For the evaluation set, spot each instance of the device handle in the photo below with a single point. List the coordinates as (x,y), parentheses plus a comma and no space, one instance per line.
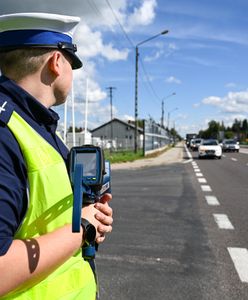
(77,198)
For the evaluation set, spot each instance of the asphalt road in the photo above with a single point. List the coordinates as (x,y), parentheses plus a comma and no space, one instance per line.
(175,239)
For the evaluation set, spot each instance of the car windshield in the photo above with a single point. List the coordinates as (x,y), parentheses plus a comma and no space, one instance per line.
(230,142)
(197,141)
(210,143)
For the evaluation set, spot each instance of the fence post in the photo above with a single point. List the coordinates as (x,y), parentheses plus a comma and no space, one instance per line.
(144,137)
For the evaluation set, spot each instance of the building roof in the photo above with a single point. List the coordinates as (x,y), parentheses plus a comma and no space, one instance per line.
(119,121)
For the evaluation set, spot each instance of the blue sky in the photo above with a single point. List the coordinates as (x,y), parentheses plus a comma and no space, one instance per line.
(203,58)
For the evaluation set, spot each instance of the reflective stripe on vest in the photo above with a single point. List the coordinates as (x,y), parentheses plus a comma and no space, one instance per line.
(50,207)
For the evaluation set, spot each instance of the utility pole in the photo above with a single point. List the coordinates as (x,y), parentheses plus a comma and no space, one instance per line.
(111,88)
(162,117)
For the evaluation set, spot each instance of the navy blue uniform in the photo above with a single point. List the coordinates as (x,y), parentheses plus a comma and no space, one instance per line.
(13,173)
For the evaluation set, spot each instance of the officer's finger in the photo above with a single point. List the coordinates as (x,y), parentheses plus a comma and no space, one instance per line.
(104,208)
(104,229)
(106,198)
(100,239)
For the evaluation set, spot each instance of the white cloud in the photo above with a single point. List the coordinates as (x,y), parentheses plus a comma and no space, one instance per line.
(90,44)
(143,15)
(155,56)
(127,118)
(230,85)
(173,79)
(173,46)
(231,103)
(196,105)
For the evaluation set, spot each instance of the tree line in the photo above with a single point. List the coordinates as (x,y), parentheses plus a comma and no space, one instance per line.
(217,130)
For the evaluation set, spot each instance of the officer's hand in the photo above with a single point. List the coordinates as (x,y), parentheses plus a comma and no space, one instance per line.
(100,215)
(104,216)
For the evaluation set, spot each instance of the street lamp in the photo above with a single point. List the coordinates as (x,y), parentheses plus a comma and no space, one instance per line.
(168,119)
(136,84)
(162,117)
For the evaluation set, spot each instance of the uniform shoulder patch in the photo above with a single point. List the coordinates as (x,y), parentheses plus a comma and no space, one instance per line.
(6,110)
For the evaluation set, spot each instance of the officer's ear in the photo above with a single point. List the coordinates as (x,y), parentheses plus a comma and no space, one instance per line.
(54,63)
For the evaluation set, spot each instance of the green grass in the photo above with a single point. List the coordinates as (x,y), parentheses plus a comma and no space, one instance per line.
(125,156)
(122,156)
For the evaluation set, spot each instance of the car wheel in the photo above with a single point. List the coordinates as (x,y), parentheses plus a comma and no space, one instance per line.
(219,157)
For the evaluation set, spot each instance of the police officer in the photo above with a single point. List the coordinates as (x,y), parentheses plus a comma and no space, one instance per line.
(40,257)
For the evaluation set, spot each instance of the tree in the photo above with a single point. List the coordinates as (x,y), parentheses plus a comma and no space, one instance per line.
(77,129)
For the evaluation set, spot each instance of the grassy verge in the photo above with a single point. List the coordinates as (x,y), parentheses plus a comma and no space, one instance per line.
(122,156)
(125,156)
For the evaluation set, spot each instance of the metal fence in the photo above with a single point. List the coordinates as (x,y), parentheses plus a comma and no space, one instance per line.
(153,137)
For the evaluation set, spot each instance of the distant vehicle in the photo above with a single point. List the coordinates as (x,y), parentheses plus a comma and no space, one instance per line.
(191,143)
(230,145)
(189,137)
(195,144)
(210,148)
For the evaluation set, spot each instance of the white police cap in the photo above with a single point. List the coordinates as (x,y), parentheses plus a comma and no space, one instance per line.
(40,30)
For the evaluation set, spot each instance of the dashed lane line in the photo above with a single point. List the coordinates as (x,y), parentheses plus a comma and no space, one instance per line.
(206,188)
(239,257)
(212,200)
(223,221)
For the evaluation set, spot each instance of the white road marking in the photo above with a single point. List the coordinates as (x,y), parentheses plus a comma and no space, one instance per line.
(197,170)
(222,221)
(239,257)
(212,200)
(199,174)
(188,153)
(223,155)
(202,180)
(187,161)
(206,188)
(234,159)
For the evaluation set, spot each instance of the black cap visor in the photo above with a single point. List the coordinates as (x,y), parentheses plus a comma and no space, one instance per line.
(76,62)
(68,48)
(71,49)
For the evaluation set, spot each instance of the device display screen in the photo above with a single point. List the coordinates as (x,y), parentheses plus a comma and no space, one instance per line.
(88,160)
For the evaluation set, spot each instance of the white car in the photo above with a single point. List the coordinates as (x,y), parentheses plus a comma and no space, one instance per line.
(230,145)
(210,148)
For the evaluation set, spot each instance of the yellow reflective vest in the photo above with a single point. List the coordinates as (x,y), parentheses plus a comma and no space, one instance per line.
(50,207)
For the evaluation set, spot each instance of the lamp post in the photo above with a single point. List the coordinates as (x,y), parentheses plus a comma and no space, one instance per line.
(136,85)
(162,116)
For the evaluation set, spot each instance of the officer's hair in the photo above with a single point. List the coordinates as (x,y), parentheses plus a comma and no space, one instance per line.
(18,63)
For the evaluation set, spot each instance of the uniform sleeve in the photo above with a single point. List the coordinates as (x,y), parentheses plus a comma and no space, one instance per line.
(13,188)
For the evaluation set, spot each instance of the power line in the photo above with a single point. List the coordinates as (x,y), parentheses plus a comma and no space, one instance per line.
(117,20)
(131,43)
(149,81)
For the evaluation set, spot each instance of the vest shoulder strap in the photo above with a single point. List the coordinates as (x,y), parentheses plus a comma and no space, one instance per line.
(6,110)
